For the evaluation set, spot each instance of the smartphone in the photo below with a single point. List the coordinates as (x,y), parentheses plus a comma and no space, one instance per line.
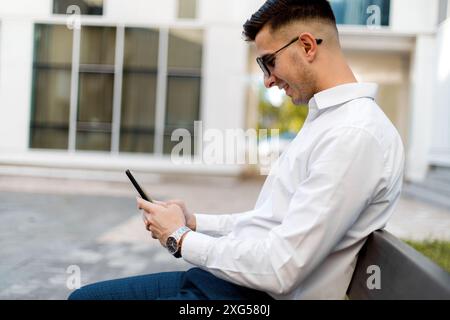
(138,187)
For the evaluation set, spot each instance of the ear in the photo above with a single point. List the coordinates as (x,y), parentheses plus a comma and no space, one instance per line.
(308,41)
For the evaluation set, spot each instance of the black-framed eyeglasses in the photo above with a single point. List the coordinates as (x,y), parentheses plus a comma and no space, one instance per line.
(267,61)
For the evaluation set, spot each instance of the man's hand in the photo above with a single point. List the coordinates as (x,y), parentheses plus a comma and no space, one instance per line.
(162,220)
(191,222)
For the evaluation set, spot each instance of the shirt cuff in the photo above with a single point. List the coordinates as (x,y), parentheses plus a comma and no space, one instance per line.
(195,248)
(209,224)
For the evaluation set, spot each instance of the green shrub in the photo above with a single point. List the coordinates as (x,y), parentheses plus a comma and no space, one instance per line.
(436,250)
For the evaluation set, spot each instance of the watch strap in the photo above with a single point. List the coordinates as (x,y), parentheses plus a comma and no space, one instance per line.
(178,234)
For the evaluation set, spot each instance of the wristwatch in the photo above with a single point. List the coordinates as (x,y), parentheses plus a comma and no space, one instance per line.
(173,241)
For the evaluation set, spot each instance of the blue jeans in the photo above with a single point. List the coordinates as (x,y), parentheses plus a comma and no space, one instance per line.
(194,284)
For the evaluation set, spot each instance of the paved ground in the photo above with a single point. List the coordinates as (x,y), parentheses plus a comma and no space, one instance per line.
(47,225)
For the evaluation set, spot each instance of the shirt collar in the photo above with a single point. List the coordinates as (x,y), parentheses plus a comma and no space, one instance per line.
(342,94)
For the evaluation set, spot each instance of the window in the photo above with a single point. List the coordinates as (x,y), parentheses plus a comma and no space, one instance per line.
(87,7)
(187,9)
(140,96)
(96,85)
(137,131)
(183,83)
(49,125)
(355,12)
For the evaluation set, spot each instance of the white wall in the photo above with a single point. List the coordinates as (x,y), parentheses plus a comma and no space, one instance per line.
(16,51)
(440,152)
(25,8)
(225,63)
(140,11)
(448,8)
(414,16)
(422,107)
(228,11)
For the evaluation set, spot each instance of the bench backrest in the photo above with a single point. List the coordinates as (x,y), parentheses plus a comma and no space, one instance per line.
(404,273)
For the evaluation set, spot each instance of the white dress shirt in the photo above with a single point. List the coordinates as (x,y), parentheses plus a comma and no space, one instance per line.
(338,181)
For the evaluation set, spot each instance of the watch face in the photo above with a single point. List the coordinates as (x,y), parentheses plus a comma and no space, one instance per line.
(172,245)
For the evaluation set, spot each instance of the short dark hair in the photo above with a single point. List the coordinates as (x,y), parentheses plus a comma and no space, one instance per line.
(279,13)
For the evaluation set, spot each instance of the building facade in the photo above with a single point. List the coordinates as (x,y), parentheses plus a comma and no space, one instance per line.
(88,91)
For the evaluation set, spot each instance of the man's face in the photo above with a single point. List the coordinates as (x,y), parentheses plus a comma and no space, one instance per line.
(290,71)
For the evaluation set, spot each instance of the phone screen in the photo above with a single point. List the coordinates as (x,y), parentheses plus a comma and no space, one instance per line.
(138,187)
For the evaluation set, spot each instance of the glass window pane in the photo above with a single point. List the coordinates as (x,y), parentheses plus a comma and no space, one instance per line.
(53,44)
(95,97)
(183,101)
(139,99)
(141,141)
(94,111)
(97,45)
(138,112)
(184,82)
(354,12)
(96,85)
(52,96)
(141,48)
(89,7)
(185,49)
(50,138)
(139,90)
(49,123)
(98,141)
(187,9)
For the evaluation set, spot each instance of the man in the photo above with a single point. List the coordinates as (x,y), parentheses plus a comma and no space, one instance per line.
(338,181)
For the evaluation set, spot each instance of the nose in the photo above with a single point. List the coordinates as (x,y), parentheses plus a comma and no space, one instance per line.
(269,81)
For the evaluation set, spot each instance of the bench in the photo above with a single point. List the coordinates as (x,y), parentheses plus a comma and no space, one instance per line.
(404,273)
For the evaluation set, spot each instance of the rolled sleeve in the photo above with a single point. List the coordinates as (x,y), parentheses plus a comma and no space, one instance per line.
(195,247)
(216,225)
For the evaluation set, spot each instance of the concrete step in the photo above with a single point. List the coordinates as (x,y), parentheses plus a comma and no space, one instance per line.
(439,173)
(425,193)
(438,186)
